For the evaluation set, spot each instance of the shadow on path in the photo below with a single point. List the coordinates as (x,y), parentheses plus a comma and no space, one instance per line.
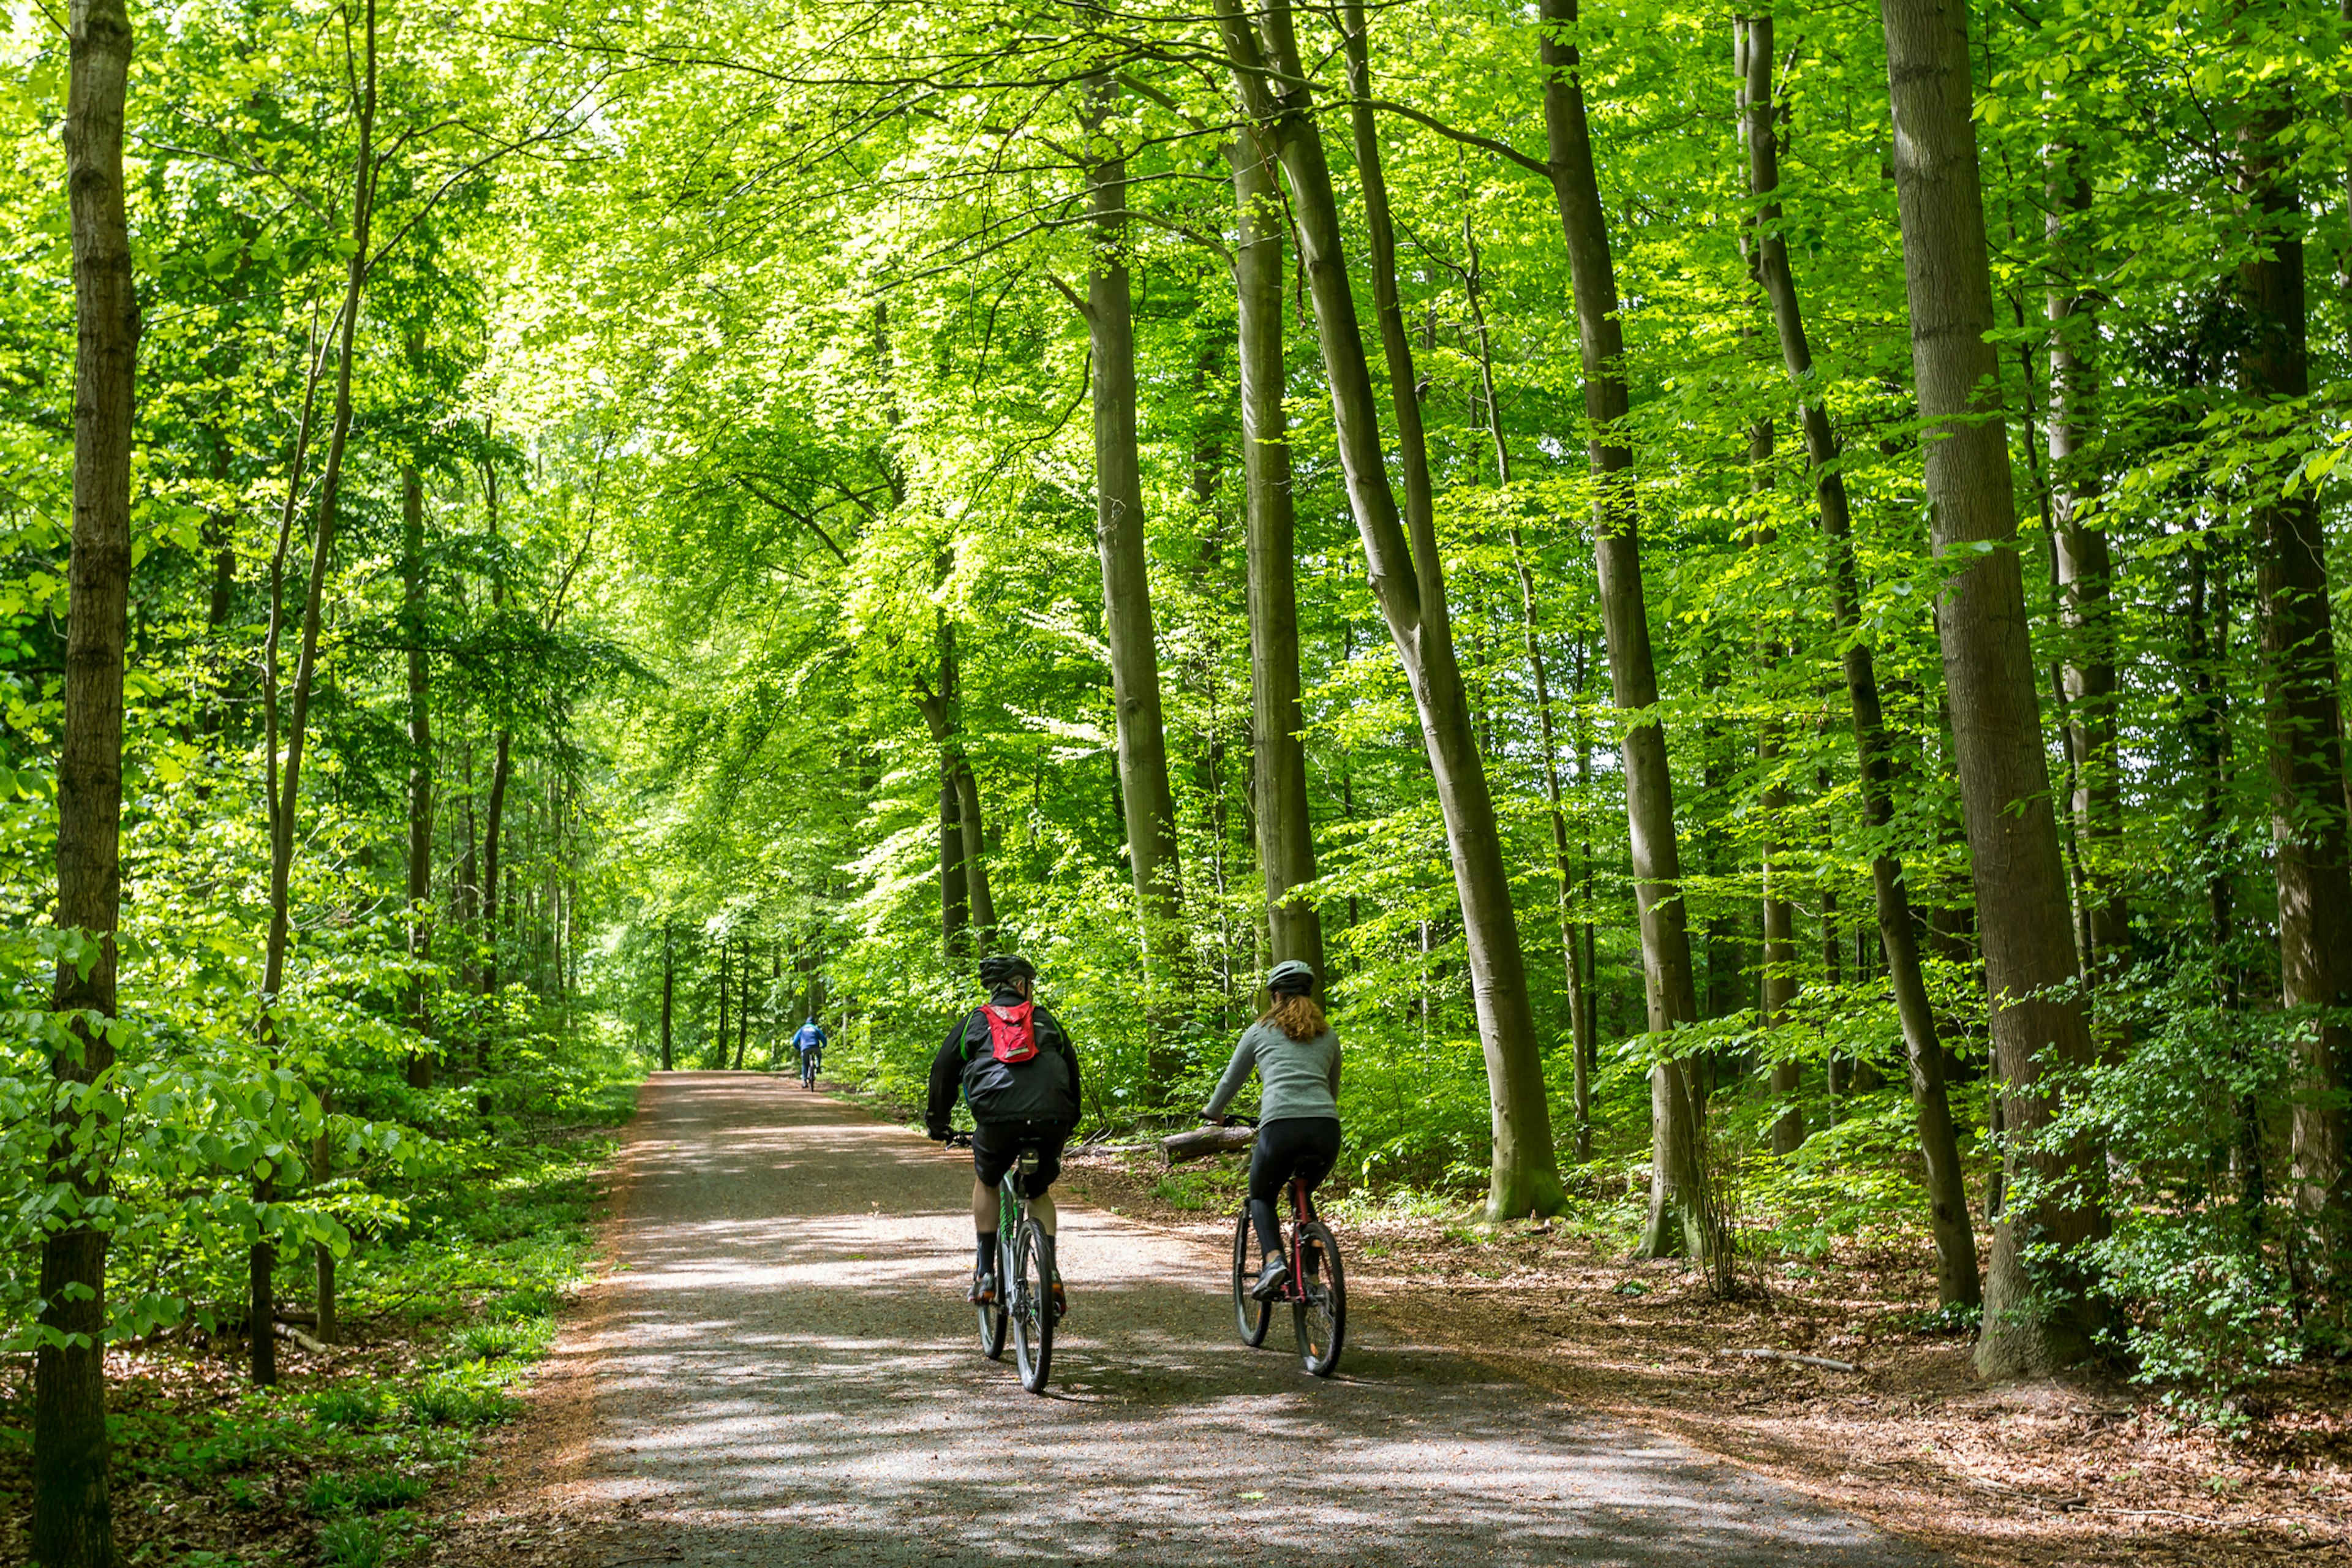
(787,1373)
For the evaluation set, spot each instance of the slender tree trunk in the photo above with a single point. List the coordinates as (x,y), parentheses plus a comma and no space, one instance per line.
(2080,553)
(1286,835)
(285,794)
(720,1059)
(420,768)
(670,993)
(73,1512)
(958,783)
(1127,594)
(1572,969)
(1956,1266)
(1677,1220)
(2038,1317)
(322,1256)
(2306,721)
(1408,578)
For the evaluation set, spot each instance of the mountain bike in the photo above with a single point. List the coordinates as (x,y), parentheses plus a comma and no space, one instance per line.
(1316,1288)
(1024,1278)
(809,1059)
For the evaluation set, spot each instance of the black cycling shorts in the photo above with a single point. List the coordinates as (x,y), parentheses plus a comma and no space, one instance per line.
(996,1145)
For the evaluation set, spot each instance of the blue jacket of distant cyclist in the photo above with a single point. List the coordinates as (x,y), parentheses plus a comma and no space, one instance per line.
(810,1038)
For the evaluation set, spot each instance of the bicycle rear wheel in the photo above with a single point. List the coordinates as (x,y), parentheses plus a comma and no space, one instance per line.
(1032,1306)
(994,1321)
(1252,1318)
(1321,1320)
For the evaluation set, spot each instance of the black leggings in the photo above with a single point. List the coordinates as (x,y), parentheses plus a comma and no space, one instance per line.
(1303,1146)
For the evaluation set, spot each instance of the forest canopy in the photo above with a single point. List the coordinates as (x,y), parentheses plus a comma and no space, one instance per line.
(1752,588)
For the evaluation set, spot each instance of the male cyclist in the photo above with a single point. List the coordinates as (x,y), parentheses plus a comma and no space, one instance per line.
(1020,1078)
(809,1042)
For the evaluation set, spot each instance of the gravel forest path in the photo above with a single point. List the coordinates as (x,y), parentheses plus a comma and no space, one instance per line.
(781,1370)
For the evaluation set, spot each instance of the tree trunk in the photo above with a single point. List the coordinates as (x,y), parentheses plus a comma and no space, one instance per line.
(2080,553)
(1956,1255)
(1571,968)
(286,788)
(420,768)
(1525,1176)
(719,1060)
(1285,837)
(2037,1317)
(2305,725)
(669,993)
(1408,581)
(958,782)
(73,1512)
(1127,597)
(322,1256)
(1677,1220)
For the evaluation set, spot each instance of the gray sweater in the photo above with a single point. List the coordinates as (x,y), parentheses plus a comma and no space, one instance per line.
(1299,1078)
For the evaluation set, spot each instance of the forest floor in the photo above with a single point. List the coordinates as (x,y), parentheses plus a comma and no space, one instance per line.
(348,1460)
(2092,1472)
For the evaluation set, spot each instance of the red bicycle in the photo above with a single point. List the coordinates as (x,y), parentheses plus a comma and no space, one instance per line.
(1316,1288)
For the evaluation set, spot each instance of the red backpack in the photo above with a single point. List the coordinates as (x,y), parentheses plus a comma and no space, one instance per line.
(1011,1033)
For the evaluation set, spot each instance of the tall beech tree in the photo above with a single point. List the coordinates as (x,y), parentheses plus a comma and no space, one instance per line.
(73,1516)
(1150,805)
(1956,1279)
(1285,834)
(2304,715)
(1408,581)
(2038,1317)
(1678,1219)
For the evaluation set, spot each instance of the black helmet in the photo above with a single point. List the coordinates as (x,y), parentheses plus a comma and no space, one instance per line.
(1004,968)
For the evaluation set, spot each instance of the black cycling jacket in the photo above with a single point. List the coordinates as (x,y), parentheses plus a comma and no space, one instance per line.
(1043,1089)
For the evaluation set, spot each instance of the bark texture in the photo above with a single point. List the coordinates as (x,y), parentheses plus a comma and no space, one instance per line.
(2037,1318)
(2304,722)
(1150,805)
(73,1514)
(1677,1221)
(1285,840)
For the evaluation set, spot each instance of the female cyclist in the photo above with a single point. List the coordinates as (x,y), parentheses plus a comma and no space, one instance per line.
(1298,1060)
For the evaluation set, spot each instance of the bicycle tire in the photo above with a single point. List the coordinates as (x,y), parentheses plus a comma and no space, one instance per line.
(1032,1306)
(1319,1318)
(994,1321)
(1252,1318)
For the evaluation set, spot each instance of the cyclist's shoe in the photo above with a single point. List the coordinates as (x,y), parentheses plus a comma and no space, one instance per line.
(983,1289)
(1061,1300)
(1270,1280)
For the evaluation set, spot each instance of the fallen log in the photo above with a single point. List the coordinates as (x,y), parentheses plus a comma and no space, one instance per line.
(1204,1141)
(287,1332)
(1798,1360)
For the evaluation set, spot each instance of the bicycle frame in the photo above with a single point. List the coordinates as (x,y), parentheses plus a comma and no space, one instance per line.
(1302,1209)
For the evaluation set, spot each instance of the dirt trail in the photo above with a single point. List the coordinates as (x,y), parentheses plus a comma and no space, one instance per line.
(781,1370)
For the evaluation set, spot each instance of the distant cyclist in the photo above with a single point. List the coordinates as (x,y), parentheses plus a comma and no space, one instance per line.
(1298,1060)
(1020,1077)
(809,1042)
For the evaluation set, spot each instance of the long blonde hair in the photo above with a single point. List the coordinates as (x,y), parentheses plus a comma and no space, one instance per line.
(1296,1016)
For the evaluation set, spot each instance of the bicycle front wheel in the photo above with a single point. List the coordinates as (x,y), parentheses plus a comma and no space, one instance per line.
(1252,1318)
(1321,1318)
(1032,1306)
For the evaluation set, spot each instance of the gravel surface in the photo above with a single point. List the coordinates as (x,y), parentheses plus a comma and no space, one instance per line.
(784,1372)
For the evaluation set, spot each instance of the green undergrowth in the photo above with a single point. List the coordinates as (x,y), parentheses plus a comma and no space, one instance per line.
(341,1465)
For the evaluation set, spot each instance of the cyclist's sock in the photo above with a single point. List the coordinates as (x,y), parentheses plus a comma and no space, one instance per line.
(986,1261)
